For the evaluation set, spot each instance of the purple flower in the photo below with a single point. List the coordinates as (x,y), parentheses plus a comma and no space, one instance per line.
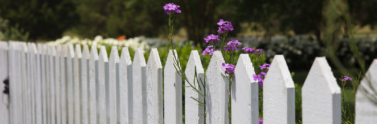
(259,78)
(212,38)
(225,26)
(259,52)
(208,50)
(346,78)
(265,66)
(232,45)
(248,50)
(260,121)
(229,68)
(171,8)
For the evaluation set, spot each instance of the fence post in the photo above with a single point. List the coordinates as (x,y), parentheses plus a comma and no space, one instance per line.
(321,101)
(57,83)
(102,79)
(70,82)
(125,87)
(365,108)
(112,92)
(139,89)
(278,94)
(63,84)
(217,89)
(173,91)
(244,93)
(84,85)
(193,110)
(93,82)
(154,89)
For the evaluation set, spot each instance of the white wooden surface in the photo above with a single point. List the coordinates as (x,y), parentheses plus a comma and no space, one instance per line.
(217,89)
(58,77)
(29,82)
(93,80)
(366,110)
(125,87)
(173,91)
(321,100)
(24,83)
(278,91)
(12,83)
(112,88)
(4,103)
(52,84)
(44,81)
(101,89)
(139,89)
(193,113)
(34,73)
(154,88)
(76,83)
(63,85)
(244,94)
(84,85)
(70,82)
(38,85)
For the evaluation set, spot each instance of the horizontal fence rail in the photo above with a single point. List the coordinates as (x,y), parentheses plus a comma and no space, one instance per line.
(68,84)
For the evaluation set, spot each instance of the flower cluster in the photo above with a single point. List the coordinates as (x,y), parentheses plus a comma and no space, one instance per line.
(248,50)
(259,78)
(229,68)
(212,38)
(346,78)
(171,8)
(265,67)
(225,26)
(232,45)
(208,50)
(260,121)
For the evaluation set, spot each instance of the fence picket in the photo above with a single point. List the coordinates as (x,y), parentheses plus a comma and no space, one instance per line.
(217,88)
(76,83)
(84,85)
(70,82)
(24,83)
(12,83)
(278,90)
(125,87)
(38,85)
(4,110)
(52,83)
(365,109)
(139,89)
(93,82)
(154,89)
(58,77)
(244,95)
(193,110)
(173,91)
(63,83)
(102,80)
(44,81)
(31,82)
(112,88)
(321,95)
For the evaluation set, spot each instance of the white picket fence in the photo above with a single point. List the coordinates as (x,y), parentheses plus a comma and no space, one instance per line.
(66,85)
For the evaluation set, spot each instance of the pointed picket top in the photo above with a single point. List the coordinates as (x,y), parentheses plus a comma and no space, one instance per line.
(193,113)
(245,109)
(278,93)
(93,80)
(172,90)
(70,82)
(366,109)
(112,85)
(321,95)
(84,85)
(125,87)
(139,115)
(102,72)
(217,89)
(154,88)
(78,53)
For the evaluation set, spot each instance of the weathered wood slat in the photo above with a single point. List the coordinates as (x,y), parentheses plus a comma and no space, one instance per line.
(24,83)
(93,82)
(84,85)
(63,85)
(102,80)
(112,88)
(366,109)
(125,87)
(244,95)
(38,85)
(76,83)
(44,81)
(58,77)
(278,94)
(154,89)
(321,95)
(173,91)
(139,89)
(217,88)
(70,82)
(193,110)
(52,84)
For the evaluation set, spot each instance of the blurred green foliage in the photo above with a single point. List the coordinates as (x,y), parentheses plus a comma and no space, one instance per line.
(12,32)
